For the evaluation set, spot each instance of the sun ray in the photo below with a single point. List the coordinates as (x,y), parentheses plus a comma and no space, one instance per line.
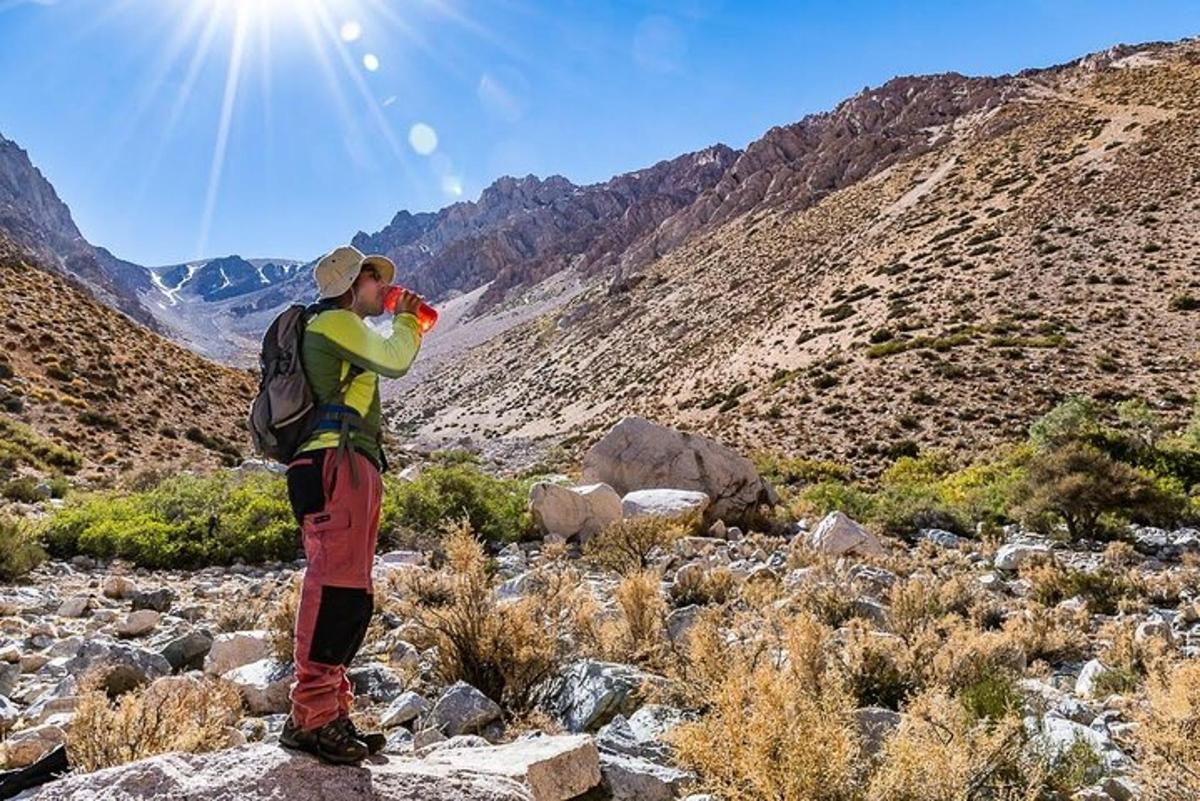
(195,65)
(359,84)
(232,77)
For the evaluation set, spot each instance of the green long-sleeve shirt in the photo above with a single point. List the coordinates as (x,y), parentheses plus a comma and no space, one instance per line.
(336,338)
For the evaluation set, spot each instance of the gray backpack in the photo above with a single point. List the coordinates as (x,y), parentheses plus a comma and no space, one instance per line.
(284,413)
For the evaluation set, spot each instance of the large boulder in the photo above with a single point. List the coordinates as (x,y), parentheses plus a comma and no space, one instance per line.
(637,454)
(121,666)
(837,535)
(260,772)
(573,512)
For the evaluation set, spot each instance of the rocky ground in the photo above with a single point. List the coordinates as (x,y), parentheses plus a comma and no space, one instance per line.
(604,716)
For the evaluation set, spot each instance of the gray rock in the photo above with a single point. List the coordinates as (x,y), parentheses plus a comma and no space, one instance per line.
(9,673)
(10,713)
(375,681)
(566,513)
(264,685)
(589,693)
(940,537)
(874,725)
(1015,554)
(138,623)
(234,649)
(671,504)
(681,621)
(75,606)
(407,707)
(124,667)
(188,651)
(462,709)
(262,772)
(159,600)
(27,746)
(837,535)
(631,779)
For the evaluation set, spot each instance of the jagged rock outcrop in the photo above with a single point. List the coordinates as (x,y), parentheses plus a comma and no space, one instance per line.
(37,220)
(522,230)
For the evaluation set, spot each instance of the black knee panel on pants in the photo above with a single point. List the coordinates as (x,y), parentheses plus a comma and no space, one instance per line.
(342,621)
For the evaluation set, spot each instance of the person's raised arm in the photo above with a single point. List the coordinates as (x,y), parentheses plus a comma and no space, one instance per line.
(354,341)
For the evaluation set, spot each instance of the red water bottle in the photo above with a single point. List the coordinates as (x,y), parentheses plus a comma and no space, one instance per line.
(426,315)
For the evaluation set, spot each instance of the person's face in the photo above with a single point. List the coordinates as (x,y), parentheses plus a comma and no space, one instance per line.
(369,290)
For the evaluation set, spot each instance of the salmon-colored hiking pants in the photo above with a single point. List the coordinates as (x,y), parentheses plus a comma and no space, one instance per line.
(339,518)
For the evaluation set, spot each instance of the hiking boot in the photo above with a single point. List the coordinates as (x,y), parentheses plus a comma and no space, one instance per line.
(332,742)
(373,740)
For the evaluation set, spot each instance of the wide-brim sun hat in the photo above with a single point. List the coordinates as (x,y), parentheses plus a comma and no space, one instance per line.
(338,269)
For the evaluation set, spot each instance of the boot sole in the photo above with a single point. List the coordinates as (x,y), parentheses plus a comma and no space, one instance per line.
(324,756)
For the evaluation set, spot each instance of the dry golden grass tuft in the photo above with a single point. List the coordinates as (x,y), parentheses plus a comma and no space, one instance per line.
(1168,738)
(175,713)
(778,728)
(281,622)
(503,648)
(942,753)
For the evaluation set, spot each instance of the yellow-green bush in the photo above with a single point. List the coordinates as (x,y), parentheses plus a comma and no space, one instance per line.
(19,550)
(184,521)
(496,508)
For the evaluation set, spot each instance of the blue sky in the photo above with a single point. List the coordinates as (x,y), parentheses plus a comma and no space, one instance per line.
(129,108)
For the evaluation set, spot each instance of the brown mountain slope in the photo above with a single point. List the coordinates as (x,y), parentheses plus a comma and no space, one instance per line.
(1044,247)
(91,380)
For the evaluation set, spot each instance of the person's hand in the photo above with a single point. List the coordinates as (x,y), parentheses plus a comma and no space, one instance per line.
(402,301)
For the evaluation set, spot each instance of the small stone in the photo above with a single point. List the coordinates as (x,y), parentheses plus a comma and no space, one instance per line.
(405,708)
(75,606)
(118,587)
(234,649)
(138,623)
(159,600)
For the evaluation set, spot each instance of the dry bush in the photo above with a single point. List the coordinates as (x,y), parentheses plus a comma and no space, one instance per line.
(1168,738)
(942,753)
(240,614)
(779,728)
(968,657)
(176,713)
(877,668)
(504,649)
(703,587)
(281,622)
(1105,590)
(1050,635)
(627,546)
(640,637)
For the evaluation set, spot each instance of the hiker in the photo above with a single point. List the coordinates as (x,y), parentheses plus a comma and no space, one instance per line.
(335,490)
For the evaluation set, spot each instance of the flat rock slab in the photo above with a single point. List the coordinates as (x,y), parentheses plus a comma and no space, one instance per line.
(553,768)
(261,772)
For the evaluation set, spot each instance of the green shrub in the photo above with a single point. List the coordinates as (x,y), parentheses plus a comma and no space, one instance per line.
(1081,485)
(784,471)
(183,521)
(19,550)
(23,490)
(20,445)
(991,698)
(496,508)
(835,496)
